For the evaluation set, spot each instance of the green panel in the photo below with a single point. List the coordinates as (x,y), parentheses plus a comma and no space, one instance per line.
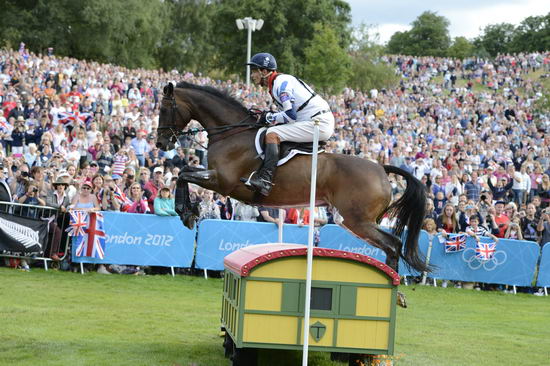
(291,296)
(348,300)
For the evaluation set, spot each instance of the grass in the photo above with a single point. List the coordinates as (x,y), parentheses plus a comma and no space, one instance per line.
(61,318)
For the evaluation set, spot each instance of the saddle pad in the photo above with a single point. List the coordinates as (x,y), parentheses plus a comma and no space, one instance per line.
(287,149)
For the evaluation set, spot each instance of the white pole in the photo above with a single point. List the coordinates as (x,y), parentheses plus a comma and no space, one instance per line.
(248,50)
(281,214)
(310,240)
(428,255)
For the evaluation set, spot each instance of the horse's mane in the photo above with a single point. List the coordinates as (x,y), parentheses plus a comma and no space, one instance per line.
(224,95)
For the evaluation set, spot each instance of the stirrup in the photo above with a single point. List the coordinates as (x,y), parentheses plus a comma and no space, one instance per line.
(247,181)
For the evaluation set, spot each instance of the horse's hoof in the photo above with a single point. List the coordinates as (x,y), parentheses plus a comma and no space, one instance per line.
(401,299)
(188,220)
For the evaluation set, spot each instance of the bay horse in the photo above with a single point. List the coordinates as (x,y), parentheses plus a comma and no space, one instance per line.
(358,188)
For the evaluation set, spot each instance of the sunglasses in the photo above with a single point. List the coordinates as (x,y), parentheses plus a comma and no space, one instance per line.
(86,188)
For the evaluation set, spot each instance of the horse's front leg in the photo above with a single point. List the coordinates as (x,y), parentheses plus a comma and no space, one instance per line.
(189,211)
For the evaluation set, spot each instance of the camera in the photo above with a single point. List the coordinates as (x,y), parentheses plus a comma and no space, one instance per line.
(483,197)
(35,190)
(25,174)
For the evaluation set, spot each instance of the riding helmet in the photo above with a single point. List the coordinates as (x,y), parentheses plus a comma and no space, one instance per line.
(263,61)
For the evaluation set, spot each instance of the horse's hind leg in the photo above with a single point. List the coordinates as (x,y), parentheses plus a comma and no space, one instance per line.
(371,233)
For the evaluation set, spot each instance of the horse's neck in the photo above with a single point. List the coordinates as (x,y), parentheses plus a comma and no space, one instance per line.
(212,112)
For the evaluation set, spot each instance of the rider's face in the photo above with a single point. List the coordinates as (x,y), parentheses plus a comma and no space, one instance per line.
(256,76)
(259,76)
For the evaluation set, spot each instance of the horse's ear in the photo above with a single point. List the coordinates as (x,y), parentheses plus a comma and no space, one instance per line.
(169,90)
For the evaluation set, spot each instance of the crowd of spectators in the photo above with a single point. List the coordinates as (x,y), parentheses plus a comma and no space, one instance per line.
(82,135)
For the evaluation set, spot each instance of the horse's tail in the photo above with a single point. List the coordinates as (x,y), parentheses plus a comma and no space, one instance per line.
(409,211)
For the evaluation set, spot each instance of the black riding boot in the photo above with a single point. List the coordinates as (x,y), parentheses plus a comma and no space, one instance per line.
(261,181)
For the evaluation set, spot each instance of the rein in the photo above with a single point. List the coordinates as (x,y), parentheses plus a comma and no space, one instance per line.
(221,133)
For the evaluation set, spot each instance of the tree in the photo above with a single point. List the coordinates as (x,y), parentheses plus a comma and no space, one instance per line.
(461,48)
(288,29)
(326,63)
(367,69)
(400,43)
(125,33)
(187,43)
(496,38)
(429,36)
(532,35)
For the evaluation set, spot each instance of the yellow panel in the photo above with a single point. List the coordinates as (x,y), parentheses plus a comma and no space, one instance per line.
(363,334)
(292,267)
(373,301)
(324,269)
(327,337)
(270,329)
(261,295)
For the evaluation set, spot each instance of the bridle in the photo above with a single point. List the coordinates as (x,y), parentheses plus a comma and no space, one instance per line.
(214,133)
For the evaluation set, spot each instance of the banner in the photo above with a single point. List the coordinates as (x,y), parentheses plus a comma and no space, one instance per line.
(513,262)
(218,238)
(543,279)
(336,237)
(22,235)
(144,240)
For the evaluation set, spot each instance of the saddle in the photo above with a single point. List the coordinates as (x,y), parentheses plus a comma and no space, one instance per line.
(287,149)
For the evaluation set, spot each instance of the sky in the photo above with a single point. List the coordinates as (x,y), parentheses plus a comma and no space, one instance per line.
(466,17)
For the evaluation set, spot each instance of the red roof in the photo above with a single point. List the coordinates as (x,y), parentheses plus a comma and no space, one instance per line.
(243,260)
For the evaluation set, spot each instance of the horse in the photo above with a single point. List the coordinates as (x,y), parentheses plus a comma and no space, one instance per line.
(357,188)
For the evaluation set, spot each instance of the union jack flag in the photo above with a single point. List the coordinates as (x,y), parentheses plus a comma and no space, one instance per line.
(73,119)
(93,243)
(5,126)
(485,251)
(121,198)
(455,243)
(78,221)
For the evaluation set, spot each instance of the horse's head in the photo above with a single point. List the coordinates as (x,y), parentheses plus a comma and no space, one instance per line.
(173,118)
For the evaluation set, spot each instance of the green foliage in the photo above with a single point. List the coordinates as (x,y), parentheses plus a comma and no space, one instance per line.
(118,32)
(496,38)
(461,48)
(288,29)
(327,64)
(187,43)
(367,70)
(532,35)
(429,36)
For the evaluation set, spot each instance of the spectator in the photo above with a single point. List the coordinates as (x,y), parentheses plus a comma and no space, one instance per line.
(529,224)
(84,200)
(268,214)
(154,185)
(500,191)
(138,201)
(446,222)
(107,197)
(543,191)
(57,198)
(501,219)
(208,207)
(31,197)
(244,212)
(141,148)
(165,203)
(543,227)
(514,230)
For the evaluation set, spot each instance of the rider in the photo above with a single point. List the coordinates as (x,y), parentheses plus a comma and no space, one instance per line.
(298,106)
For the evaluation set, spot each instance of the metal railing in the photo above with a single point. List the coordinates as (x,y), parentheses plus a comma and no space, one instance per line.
(46,213)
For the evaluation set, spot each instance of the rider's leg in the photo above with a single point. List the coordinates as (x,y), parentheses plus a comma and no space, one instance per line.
(262,180)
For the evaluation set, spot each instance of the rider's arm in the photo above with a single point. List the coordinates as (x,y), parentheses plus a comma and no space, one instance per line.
(288,113)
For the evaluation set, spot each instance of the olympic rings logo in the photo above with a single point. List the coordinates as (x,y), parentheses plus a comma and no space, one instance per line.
(475,263)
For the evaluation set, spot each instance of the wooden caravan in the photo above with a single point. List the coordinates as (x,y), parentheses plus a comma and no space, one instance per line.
(353,301)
